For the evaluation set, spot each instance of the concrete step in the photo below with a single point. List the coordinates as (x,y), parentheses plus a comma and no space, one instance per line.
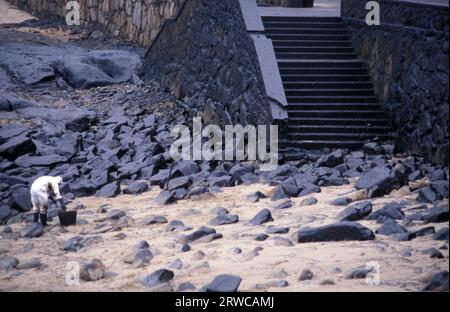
(325,78)
(354,114)
(337,129)
(331,49)
(327,85)
(315,56)
(329,92)
(336,136)
(309,37)
(319,144)
(336,106)
(311,43)
(306,31)
(304,25)
(321,64)
(332,121)
(301,19)
(333,99)
(321,71)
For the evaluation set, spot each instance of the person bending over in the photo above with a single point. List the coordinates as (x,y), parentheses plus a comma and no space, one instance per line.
(41,189)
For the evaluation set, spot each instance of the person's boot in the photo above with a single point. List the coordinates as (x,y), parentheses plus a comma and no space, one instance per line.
(36,217)
(44,219)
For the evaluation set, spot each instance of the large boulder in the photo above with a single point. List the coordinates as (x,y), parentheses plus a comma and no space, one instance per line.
(99,68)
(17,146)
(379,177)
(11,130)
(74,119)
(355,212)
(41,161)
(391,210)
(341,231)
(21,199)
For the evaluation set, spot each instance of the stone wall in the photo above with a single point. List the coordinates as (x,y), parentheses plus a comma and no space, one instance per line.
(136,21)
(408,60)
(207,57)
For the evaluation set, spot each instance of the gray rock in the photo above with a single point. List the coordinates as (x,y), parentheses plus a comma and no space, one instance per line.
(306,275)
(83,188)
(359,273)
(113,215)
(99,68)
(9,131)
(309,189)
(137,188)
(176,225)
(341,201)
(439,282)
(433,253)
(303,179)
(17,146)
(391,210)
(285,204)
(341,231)
(308,201)
(5,213)
(21,199)
(391,229)
(440,188)
(224,283)
(186,286)
(219,211)
(442,234)
(427,195)
(280,194)
(262,217)
(154,219)
(255,197)
(33,230)
(181,182)
(224,181)
(261,237)
(331,160)
(176,264)
(424,231)
(201,232)
(140,256)
(165,198)
(381,177)
(33,263)
(157,278)
(223,219)
(436,215)
(8,263)
(92,271)
(185,248)
(355,212)
(77,243)
(277,230)
(109,190)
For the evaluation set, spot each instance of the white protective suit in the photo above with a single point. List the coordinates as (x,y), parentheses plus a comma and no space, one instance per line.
(41,189)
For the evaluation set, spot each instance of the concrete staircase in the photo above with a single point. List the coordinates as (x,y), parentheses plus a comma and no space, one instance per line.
(331,102)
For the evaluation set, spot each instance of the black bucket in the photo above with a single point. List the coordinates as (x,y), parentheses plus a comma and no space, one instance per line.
(308,3)
(67,218)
